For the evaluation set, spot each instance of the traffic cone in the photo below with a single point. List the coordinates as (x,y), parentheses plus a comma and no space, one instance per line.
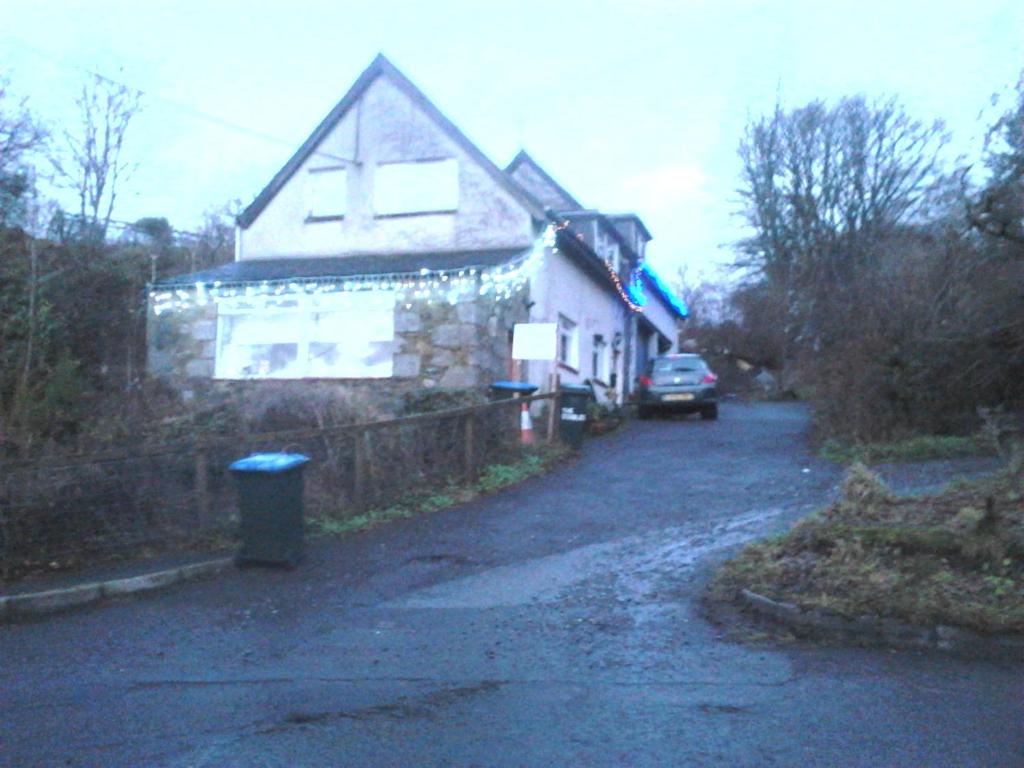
(525,426)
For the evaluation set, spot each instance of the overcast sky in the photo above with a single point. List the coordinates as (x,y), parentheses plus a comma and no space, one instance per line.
(632,106)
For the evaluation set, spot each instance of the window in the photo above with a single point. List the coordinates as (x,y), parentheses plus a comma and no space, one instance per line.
(599,359)
(568,352)
(406,188)
(680,364)
(326,193)
(347,335)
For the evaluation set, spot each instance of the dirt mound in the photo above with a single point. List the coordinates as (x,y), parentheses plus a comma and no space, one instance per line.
(955,558)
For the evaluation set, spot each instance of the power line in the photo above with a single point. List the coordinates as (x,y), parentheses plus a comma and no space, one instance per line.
(173,103)
(124,226)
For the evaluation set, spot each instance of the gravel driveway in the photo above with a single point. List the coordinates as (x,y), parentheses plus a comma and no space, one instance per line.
(552,624)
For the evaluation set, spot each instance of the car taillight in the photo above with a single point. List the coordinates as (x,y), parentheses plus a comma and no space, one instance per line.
(645,381)
(709,378)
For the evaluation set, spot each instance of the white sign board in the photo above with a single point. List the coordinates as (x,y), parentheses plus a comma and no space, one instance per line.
(534,341)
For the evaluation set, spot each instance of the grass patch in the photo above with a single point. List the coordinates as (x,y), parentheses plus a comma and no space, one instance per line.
(492,478)
(954,558)
(923,448)
(497,476)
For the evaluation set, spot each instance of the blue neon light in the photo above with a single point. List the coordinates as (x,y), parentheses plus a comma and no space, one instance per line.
(666,292)
(635,289)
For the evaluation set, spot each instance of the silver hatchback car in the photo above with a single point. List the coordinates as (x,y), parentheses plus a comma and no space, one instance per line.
(682,383)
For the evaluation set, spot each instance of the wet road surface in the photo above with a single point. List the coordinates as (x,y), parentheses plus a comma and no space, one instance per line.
(552,624)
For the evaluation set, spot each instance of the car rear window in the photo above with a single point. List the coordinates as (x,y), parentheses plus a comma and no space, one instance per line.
(683,364)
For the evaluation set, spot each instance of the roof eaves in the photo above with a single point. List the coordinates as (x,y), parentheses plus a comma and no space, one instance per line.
(321,268)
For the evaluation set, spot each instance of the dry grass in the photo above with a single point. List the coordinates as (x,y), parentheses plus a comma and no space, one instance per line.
(921,448)
(954,558)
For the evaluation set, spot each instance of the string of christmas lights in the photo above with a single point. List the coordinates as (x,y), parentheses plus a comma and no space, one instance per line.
(625,295)
(425,285)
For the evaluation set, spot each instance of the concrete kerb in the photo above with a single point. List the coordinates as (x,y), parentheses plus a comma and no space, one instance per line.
(876,630)
(37,603)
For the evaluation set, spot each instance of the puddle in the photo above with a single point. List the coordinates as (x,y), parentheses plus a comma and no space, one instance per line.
(636,563)
(405,708)
(440,559)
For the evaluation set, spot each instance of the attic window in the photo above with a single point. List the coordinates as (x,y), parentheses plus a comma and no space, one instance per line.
(431,186)
(326,193)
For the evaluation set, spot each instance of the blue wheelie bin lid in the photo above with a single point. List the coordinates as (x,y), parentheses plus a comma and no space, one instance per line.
(269,462)
(518,387)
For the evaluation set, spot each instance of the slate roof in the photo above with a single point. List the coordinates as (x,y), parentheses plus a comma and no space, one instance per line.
(631,217)
(524,158)
(381,66)
(588,214)
(320,267)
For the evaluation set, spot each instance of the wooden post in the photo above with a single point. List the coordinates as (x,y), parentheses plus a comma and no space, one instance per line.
(555,412)
(554,417)
(361,481)
(469,458)
(202,484)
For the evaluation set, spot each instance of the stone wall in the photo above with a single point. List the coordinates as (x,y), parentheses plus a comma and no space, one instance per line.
(182,344)
(440,346)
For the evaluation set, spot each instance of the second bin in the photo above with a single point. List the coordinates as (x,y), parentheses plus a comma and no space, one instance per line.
(572,423)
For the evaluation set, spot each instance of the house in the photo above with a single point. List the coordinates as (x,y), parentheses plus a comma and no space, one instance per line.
(389,254)
(646,317)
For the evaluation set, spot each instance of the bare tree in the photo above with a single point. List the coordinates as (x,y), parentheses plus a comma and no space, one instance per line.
(706,299)
(215,244)
(820,183)
(998,210)
(92,164)
(21,136)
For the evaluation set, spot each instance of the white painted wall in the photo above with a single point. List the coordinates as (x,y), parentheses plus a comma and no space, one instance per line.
(386,127)
(560,287)
(662,319)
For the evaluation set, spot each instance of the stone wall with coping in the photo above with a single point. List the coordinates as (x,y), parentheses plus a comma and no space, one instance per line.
(437,346)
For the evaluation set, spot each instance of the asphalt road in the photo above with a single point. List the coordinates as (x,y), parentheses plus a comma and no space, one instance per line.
(555,624)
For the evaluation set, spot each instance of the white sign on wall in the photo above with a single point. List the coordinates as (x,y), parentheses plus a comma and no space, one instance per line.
(534,341)
(427,187)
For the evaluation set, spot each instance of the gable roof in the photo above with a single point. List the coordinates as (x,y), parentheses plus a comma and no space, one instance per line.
(380,66)
(575,210)
(522,158)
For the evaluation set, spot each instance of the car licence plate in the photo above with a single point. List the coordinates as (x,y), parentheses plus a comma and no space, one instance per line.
(677,397)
